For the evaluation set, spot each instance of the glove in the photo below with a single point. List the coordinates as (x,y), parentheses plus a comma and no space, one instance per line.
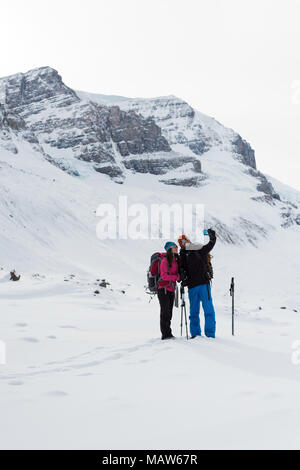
(211,233)
(184,279)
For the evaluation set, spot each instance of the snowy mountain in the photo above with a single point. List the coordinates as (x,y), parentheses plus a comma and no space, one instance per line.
(83,356)
(115,134)
(163,139)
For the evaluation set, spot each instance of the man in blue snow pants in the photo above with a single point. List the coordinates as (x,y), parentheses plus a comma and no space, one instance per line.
(196,276)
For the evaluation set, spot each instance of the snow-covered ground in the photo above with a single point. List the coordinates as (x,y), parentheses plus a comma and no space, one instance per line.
(87,371)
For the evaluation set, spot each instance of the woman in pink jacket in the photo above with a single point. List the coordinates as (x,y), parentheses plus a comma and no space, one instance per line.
(169,275)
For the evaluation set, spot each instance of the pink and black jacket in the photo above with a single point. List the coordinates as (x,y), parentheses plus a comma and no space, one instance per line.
(168,275)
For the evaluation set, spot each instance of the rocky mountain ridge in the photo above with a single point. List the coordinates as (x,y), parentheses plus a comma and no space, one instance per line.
(68,125)
(116,136)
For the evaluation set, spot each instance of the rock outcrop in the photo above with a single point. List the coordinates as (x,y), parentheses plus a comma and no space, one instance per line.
(158,166)
(244,151)
(192,181)
(263,185)
(11,123)
(28,93)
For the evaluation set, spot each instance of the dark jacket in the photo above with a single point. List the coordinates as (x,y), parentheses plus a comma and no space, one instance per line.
(193,266)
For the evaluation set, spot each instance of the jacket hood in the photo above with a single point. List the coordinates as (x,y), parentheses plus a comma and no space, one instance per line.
(193,246)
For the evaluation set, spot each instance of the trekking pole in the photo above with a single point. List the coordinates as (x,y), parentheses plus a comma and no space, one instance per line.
(181,320)
(232,296)
(183,309)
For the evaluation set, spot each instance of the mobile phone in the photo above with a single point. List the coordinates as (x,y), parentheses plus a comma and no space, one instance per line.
(205,232)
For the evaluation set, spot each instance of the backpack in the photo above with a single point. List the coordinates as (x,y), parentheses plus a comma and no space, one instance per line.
(153,273)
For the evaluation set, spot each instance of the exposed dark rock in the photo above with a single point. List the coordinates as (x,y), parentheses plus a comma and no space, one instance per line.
(252,230)
(10,120)
(189,181)
(62,165)
(14,121)
(14,276)
(289,214)
(111,170)
(156,166)
(134,134)
(197,166)
(264,185)
(199,146)
(34,87)
(11,123)
(266,198)
(244,151)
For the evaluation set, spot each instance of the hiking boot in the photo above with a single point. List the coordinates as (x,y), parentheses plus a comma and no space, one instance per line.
(168,337)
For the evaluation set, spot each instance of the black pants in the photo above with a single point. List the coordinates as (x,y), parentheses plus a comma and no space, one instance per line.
(166,300)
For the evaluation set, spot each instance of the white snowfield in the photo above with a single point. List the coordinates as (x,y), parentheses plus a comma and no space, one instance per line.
(87,371)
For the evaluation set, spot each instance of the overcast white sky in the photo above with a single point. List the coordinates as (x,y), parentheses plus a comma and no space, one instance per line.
(236,60)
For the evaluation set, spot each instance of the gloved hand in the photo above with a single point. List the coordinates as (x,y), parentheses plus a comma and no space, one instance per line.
(211,233)
(184,279)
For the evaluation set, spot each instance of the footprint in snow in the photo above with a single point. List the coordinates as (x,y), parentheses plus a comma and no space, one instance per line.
(51,337)
(30,340)
(247,393)
(21,324)
(56,393)
(68,326)
(16,382)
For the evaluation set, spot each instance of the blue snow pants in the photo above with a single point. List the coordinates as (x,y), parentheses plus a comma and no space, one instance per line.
(202,293)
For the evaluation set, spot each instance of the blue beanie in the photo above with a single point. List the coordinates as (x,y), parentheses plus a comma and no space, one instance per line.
(169,244)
